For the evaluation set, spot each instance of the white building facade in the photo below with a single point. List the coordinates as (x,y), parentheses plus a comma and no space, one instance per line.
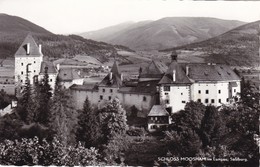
(210,84)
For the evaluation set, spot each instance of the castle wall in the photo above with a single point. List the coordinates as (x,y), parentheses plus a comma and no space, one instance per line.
(98,98)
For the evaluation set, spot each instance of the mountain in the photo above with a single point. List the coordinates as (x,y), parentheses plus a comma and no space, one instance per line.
(14,29)
(10,24)
(110,33)
(164,33)
(237,47)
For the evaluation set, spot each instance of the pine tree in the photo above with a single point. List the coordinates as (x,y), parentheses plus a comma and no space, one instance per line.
(89,130)
(114,126)
(24,102)
(63,116)
(44,100)
(113,118)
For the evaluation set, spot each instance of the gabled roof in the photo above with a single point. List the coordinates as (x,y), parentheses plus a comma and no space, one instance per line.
(34,49)
(158,110)
(180,75)
(154,70)
(211,72)
(50,66)
(68,74)
(115,81)
(198,72)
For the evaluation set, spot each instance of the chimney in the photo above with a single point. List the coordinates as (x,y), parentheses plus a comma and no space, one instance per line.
(174,56)
(40,48)
(58,67)
(122,77)
(110,76)
(174,75)
(187,70)
(28,49)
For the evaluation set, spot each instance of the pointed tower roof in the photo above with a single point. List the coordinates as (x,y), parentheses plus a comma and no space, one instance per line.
(113,79)
(115,70)
(28,44)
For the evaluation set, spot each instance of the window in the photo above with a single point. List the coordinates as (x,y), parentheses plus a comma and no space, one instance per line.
(21,81)
(227,99)
(50,80)
(166,88)
(199,100)
(199,91)
(166,93)
(101,97)
(183,101)
(109,97)
(22,72)
(235,90)
(181,93)
(21,64)
(34,62)
(167,101)
(219,100)
(111,90)
(219,91)
(206,100)
(34,70)
(104,90)
(212,100)
(144,98)
(207,91)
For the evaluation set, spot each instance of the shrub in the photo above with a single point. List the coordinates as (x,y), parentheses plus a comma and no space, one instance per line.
(36,152)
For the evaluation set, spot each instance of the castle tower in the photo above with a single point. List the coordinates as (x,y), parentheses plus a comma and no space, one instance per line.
(28,58)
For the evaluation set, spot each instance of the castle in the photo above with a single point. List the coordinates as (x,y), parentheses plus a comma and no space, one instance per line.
(210,84)
(158,85)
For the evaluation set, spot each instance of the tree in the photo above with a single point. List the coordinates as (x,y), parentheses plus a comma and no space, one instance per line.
(113,119)
(114,126)
(9,127)
(89,130)
(44,100)
(24,103)
(35,152)
(213,127)
(250,96)
(63,116)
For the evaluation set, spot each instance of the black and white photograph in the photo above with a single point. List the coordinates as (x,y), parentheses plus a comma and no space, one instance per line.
(129,83)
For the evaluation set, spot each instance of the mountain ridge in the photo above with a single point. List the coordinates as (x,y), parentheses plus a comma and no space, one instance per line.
(238,47)
(14,29)
(167,32)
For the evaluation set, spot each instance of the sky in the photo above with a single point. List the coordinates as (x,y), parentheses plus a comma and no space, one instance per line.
(76,16)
